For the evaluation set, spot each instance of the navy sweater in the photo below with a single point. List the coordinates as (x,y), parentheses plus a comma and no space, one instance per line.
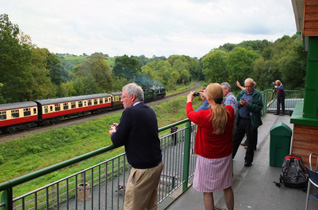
(138,131)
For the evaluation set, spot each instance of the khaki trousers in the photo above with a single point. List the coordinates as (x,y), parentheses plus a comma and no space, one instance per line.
(142,188)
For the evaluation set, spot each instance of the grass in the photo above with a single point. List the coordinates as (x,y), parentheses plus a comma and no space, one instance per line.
(29,154)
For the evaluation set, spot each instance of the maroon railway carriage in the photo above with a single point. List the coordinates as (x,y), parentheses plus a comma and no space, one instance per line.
(17,116)
(51,110)
(116,100)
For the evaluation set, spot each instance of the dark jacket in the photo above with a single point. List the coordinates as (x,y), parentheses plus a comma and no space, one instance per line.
(280,91)
(255,107)
(138,131)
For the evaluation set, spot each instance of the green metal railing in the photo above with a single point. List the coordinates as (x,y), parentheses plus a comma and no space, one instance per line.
(184,139)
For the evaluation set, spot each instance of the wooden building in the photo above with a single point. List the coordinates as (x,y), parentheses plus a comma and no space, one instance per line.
(305,116)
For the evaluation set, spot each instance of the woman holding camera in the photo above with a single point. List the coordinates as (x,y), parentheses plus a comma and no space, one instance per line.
(280,97)
(213,145)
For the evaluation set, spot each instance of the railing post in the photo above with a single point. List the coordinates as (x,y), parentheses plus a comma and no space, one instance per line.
(186,156)
(6,198)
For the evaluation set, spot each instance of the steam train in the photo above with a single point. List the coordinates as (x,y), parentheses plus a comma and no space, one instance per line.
(23,115)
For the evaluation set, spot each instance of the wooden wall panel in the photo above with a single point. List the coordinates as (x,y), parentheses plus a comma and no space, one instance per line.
(305,141)
(310,24)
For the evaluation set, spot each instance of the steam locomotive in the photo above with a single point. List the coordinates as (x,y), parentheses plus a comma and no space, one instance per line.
(23,115)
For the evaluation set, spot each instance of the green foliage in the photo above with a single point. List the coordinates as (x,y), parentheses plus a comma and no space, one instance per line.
(214,66)
(284,60)
(97,67)
(126,67)
(240,64)
(28,72)
(1,160)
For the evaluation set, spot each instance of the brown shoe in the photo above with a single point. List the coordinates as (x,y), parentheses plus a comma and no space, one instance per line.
(243,144)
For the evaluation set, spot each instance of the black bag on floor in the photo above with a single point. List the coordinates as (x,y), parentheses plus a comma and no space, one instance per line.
(293,173)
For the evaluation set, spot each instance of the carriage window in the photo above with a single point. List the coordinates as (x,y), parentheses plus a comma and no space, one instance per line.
(89,102)
(27,112)
(73,105)
(57,107)
(95,101)
(100,101)
(109,99)
(46,109)
(3,116)
(51,108)
(65,106)
(80,104)
(34,111)
(15,113)
(85,103)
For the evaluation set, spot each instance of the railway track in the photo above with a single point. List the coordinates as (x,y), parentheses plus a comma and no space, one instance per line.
(8,137)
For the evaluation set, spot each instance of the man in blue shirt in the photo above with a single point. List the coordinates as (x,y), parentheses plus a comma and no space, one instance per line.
(205,104)
(229,98)
(248,119)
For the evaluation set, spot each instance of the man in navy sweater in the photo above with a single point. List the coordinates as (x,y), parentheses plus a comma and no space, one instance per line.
(138,131)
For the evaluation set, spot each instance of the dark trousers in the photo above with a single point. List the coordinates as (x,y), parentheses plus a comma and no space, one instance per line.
(244,126)
(280,100)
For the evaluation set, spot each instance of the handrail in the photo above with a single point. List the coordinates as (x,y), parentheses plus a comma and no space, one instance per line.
(52,168)
(6,187)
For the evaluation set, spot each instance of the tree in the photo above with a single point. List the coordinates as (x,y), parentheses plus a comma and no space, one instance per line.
(15,61)
(293,67)
(57,71)
(214,66)
(97,67)
(126,67)
(240,64)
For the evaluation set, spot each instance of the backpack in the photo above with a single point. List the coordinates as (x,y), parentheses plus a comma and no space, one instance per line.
(293,173)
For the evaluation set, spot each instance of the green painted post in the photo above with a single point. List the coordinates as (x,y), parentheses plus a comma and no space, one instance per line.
(311,87)
(186,156)
(6,198)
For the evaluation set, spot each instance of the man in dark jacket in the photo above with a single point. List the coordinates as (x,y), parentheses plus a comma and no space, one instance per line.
(138,131)
(248,119)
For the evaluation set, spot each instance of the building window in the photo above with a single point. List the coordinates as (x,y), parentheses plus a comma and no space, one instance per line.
(3,115)
(65,106)
(57,107)
(26,112)
(15,113)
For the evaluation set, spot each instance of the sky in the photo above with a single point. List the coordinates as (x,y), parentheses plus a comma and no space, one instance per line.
(148,27)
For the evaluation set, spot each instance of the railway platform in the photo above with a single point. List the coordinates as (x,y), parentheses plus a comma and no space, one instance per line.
(254,186)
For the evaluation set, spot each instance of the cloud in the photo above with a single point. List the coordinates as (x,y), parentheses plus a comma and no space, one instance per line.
(148,27)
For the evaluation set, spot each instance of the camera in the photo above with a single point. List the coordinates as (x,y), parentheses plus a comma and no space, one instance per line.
(196,94)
